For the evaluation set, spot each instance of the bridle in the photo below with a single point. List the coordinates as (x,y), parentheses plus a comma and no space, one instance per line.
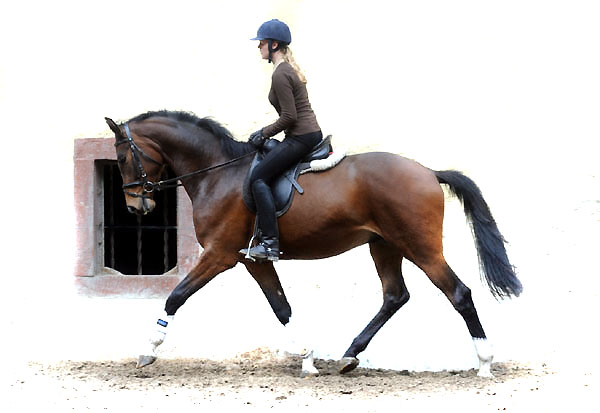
(148,186)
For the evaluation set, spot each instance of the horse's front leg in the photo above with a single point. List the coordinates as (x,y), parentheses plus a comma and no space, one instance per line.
(208,267)
(268,280)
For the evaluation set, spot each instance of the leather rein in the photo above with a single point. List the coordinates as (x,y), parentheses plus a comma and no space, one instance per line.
(148,186)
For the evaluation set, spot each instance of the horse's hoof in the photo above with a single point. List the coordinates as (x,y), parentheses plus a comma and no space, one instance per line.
(348,364)
(144,361)
(484,371)
(308,374)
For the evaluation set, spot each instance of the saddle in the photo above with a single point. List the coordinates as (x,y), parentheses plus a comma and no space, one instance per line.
(283,186)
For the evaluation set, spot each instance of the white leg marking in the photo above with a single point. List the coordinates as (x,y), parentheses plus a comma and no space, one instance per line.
(485,355)
(290,345)
(160,332)
(308,368)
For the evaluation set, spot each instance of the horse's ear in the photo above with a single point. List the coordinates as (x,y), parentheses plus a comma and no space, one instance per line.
(114,127)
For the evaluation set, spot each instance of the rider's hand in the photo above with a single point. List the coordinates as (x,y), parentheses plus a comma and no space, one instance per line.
(257,139)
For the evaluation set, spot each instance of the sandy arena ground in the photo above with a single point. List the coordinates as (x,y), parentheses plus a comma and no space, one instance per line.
(259,381)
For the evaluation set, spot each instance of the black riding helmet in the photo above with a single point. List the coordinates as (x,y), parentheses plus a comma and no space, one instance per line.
(274,30)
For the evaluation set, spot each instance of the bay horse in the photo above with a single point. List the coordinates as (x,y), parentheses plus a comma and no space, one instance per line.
(391,203)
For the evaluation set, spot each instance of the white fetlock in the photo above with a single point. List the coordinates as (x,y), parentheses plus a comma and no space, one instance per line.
(484,370)
(156,339)
(158,335)
(308,367)
(485,355)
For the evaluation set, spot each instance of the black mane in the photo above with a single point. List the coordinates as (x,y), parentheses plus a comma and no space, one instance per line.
(230,146)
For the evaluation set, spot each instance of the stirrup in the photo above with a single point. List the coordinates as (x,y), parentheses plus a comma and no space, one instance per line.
(246,251)
(269,257)
(263,251)
(267,249)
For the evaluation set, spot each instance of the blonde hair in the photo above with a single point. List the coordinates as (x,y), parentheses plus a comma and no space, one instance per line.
(288,56)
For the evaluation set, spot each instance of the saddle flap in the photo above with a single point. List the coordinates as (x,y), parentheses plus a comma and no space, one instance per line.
(283,186)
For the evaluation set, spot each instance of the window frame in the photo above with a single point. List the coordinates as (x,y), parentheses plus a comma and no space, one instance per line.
(91,276)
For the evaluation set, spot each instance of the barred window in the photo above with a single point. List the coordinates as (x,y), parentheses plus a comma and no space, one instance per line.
(135,244)
(118,253)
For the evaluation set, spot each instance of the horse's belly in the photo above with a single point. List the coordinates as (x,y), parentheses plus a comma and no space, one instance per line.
(323,245)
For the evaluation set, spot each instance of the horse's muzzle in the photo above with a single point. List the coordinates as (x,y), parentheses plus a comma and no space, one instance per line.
(141,206)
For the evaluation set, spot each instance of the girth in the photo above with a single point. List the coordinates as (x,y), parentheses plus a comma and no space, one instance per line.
(283,186)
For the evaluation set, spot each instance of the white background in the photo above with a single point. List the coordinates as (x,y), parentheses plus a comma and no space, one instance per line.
(507,92)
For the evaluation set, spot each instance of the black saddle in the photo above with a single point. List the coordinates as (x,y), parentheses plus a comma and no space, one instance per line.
(283,186)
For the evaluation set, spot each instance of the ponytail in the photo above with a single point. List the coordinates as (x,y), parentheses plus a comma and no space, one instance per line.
(288,56)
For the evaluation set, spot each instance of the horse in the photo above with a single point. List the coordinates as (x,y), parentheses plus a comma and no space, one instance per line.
(393,204)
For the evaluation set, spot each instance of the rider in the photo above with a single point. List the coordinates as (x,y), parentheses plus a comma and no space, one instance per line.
(302,132)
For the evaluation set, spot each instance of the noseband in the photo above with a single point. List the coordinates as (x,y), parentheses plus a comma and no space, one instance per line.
(136,151)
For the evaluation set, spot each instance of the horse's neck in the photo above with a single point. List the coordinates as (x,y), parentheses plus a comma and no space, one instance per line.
(183,153)
(185,157)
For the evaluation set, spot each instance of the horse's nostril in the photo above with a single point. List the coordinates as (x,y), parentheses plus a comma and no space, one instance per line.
(131,210)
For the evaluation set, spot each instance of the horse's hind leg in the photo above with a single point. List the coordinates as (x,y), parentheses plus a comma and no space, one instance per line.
(459,295)
(268,280)
(388,262)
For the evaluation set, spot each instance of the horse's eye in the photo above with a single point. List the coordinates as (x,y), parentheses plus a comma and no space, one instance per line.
(121,159)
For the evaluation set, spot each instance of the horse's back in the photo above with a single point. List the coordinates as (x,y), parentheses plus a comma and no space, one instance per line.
(394,169)
(372,175)
(359,198)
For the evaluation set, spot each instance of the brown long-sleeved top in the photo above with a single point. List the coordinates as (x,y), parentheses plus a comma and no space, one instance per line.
(289,97)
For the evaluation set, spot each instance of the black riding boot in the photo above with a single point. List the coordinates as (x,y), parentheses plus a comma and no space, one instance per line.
(268,247)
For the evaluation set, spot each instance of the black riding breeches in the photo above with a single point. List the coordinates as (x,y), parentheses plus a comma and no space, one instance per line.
(290,151)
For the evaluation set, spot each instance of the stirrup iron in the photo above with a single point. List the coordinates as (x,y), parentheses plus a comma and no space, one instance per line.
(252,238)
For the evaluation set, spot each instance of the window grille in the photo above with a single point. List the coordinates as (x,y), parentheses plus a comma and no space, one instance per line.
(142,245)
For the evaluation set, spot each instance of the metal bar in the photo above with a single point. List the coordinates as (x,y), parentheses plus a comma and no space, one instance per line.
(111,215)
(141,226)
(139,245)
(165,233)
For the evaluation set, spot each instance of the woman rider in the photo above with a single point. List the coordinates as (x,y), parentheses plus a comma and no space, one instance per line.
(296,118)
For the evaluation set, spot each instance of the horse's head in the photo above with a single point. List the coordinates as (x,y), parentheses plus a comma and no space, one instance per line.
(140,169)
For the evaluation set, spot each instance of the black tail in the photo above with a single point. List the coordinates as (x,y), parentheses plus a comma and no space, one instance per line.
(493,261)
